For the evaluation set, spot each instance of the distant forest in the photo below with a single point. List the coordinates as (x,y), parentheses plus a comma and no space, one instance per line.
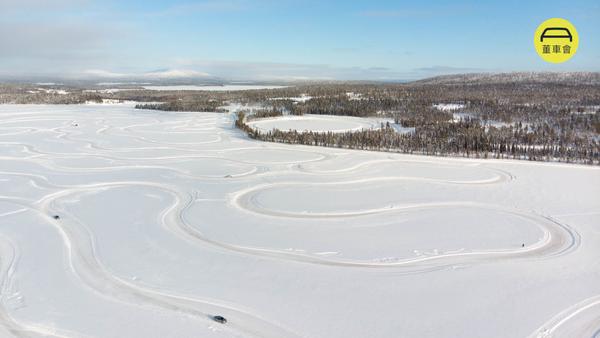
(534,116)
(540,121)
(464,138)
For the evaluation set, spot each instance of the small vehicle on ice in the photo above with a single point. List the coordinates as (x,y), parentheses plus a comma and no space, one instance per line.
(219,319)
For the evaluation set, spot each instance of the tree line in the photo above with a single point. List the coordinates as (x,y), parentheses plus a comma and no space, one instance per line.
(465,138)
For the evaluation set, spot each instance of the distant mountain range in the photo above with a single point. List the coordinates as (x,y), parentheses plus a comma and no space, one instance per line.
(590,78)
(95,78)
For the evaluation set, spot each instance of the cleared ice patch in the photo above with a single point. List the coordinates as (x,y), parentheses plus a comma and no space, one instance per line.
(316,123)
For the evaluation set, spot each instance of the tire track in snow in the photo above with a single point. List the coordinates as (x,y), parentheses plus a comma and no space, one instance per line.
(9,257)
(579,320)
(558,238)
(85,264)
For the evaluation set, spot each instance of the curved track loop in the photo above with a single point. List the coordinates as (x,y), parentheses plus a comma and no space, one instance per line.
(579,320)
(558,238)
(85,264)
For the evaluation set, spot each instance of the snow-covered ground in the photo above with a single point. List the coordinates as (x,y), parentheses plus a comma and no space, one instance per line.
(449,106)
(318,123)
(323,123)
(115,102)
(108,90)
(166,219)
(48,91)
(301,98)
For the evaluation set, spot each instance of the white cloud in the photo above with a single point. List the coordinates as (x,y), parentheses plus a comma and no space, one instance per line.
(240,70)
(161,74)
(265,71)
(175,73)
(437,70)
(50,39)
(103,74)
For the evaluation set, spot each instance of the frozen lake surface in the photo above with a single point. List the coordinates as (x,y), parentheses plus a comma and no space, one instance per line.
(317,123)
(116,222)
(324,123)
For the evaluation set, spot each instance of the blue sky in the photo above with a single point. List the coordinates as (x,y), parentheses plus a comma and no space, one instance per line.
(286,39)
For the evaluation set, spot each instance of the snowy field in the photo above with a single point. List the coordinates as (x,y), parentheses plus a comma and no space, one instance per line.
(166,219)
(317,123)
